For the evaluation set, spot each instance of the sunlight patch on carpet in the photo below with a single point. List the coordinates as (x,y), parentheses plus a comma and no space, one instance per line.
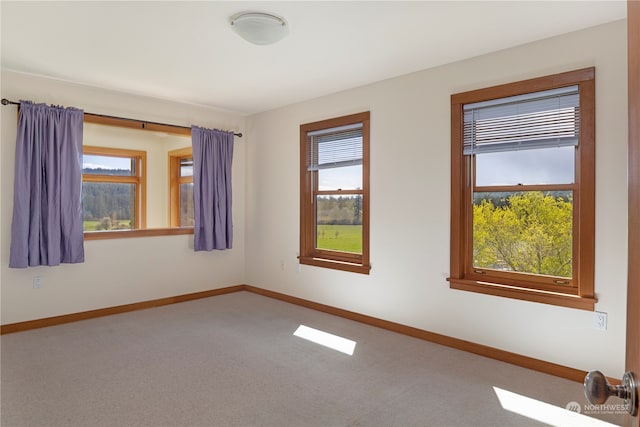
(326,339)
(545,412)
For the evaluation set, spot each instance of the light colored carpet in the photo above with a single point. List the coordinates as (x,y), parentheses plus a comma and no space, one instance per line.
(232,360)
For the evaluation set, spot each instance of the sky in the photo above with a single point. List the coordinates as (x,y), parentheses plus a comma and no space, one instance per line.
(105,162)
(346,178)
(540,166)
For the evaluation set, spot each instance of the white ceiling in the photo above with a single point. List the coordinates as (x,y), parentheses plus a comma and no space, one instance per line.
(186,51)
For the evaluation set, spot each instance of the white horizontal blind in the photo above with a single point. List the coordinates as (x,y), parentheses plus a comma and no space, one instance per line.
(543,119)
(334,147)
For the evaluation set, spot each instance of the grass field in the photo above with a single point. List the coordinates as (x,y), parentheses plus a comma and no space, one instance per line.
(347,238)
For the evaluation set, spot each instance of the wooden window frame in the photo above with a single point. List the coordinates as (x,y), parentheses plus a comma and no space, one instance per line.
(580,291)
(309,254)
(175,180)
(139,180)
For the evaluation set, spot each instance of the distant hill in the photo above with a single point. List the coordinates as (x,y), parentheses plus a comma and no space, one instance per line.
(113,200)
(105,171)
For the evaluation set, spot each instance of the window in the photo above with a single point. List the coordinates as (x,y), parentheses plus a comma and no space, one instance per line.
(181,188)
(522,190)
(135,178)
(334,193)
(113,189)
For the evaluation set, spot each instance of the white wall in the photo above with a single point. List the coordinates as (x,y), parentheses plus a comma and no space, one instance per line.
(410,194)
(125,270)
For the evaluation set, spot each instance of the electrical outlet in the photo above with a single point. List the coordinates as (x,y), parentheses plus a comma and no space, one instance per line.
(599,321)
(37,282)
(282,265)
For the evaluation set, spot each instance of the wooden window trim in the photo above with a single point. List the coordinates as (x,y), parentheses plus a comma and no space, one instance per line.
(309,255)
(125,234)
(175,157)
(581,294)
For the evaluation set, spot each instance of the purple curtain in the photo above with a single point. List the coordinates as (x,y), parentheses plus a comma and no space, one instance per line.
(212,157)
(47,195)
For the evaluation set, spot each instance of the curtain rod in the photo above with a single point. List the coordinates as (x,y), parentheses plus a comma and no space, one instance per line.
(7,102)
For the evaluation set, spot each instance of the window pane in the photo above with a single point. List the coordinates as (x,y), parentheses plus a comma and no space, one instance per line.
(108,206)
(339,223)
(186,167)
(186,205)
(529,232)
(108,165)
(540,166)
(344,178)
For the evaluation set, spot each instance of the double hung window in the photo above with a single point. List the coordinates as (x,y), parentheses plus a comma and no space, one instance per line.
(334,193)
(523,190)
(113,189)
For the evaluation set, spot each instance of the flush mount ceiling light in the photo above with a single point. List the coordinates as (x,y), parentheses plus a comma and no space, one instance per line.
(258,27)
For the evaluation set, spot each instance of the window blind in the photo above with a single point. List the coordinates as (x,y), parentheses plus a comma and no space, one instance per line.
(543,119)
(335,147)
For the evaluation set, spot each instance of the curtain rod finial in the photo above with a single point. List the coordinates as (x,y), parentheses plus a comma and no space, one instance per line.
(5,101)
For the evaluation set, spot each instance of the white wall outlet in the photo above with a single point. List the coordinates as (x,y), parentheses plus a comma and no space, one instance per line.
(599,321)
(37,282)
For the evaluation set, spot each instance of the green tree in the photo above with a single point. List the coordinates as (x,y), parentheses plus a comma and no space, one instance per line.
(357,210)
(527,232)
